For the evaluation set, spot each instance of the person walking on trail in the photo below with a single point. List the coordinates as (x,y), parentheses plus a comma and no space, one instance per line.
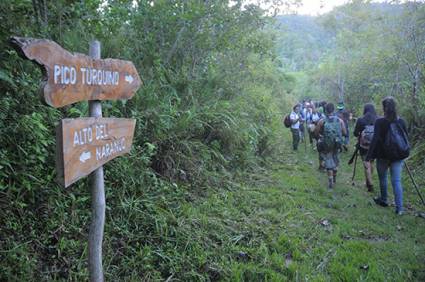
(317,137)
(331,129)
(302,113)
(313,117)
(343,114)
(389,147)
(364,131)
(295,126)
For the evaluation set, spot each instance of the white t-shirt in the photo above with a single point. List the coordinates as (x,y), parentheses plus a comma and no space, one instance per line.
(315,117)
(294,116)
(308,116)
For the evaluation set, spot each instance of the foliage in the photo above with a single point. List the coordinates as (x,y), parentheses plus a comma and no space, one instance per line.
(207,112)
(302,41)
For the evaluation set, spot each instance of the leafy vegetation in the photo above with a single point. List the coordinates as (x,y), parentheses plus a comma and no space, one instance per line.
(207,192)
(208,111)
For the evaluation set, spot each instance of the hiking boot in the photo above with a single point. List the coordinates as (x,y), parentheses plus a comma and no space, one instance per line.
(380,202)
(399,212)
(369,187)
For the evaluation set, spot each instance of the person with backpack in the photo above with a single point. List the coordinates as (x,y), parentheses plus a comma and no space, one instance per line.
(319,148)
(295,119)
(331,129)
(364,131)
(389,146)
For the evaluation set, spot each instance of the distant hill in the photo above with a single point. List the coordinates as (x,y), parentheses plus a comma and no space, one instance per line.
(303,40)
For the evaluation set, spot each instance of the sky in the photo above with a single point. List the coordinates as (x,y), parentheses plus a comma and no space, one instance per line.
(307,7)
(317,7)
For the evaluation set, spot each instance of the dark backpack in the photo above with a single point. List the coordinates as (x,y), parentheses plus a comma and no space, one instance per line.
(332,134)
(366,136)
(287,121)
(396,144)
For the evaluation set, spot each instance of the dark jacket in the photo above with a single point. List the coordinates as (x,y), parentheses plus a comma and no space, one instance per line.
(381,128)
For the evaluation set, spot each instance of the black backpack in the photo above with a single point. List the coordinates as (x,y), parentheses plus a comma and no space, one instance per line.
(396,144)
(287,121)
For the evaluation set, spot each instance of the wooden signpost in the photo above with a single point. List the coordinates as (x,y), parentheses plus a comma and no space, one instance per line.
(77,77)
(85,144)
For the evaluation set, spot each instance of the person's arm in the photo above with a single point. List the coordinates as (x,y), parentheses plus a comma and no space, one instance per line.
(371,154)
(357,128)
(343,128)
(318,128)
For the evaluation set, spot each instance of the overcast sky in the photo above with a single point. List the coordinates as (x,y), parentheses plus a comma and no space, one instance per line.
(307,7)
(315,7)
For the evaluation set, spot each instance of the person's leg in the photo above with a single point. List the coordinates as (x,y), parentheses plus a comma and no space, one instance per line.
(336,164)
(396,169)
(295,138)
(329,160)
(368,175)
(330,178)
(310,135)
(365,168)
(301,132)
(382,168)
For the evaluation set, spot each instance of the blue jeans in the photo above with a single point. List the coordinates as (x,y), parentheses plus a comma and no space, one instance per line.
(395,170)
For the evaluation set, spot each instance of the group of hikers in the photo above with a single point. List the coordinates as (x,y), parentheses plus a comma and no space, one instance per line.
(383,139)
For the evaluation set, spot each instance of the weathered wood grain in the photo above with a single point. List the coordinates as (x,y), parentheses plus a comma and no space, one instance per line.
(84,144)
(73,77)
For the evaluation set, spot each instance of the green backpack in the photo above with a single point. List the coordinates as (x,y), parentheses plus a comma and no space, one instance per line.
(332,134)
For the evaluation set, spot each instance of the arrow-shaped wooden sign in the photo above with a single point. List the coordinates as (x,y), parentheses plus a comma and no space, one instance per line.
(73,77)
(85,144)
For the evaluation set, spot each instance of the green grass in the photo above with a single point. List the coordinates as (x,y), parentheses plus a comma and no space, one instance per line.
(291,227)
(279,223)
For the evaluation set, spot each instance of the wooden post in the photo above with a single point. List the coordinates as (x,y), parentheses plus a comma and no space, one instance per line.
(98,196)
(71,78)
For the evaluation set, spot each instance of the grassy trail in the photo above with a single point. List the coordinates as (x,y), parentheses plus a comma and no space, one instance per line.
(291,227)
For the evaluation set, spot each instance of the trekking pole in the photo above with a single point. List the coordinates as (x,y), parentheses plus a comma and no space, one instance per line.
(354,155)
(414,182)
(354,169)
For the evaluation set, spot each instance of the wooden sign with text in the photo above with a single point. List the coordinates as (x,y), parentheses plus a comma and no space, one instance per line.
(84,144)
(73,77)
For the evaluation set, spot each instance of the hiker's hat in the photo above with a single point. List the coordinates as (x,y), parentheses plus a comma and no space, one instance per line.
(340,106)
